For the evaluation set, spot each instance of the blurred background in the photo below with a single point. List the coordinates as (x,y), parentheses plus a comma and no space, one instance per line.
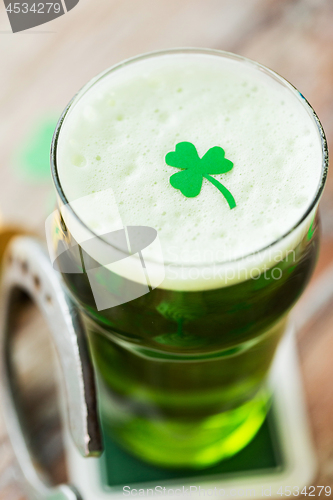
(42,68)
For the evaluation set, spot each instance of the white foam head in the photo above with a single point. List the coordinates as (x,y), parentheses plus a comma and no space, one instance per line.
(117,133)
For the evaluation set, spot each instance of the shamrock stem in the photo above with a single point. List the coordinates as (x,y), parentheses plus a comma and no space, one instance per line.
(226,193)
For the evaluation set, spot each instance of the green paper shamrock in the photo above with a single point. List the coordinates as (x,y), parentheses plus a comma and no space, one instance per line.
(195,169)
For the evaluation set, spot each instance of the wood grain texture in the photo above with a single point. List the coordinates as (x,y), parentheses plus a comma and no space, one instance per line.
(42,69)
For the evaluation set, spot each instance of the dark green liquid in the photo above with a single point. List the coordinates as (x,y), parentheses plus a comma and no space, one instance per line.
(183,374)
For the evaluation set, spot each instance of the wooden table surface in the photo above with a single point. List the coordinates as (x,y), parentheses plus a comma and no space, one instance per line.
(41,69)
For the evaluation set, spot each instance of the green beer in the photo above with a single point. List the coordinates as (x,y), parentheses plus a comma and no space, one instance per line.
(183,366)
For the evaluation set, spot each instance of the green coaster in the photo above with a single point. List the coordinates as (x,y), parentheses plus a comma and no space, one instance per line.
(263,454)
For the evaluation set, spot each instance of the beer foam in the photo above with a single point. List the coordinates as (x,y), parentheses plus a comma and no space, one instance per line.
(118,132)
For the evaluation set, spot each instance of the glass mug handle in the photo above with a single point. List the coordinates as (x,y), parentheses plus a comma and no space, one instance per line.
(27,267)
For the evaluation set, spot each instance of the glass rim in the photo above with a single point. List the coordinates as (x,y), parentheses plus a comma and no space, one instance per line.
(214,52)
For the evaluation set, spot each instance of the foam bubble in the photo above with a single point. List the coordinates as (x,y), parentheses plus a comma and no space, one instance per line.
(118,133)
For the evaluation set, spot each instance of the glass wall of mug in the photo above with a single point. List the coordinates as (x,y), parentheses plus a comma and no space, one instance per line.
(183,373)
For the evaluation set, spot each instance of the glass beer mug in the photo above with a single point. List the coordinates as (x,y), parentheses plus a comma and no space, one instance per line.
(181,370)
